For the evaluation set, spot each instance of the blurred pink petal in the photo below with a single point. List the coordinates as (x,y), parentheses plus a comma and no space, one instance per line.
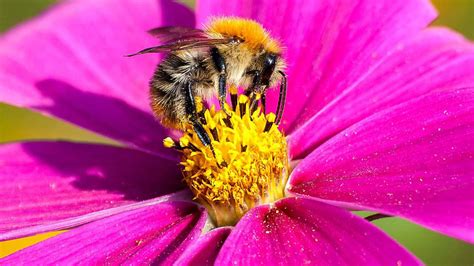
(70,63)
(155,234)
(330,44)
(44,182)
(205,250)
(436,59)
(415,160)
(301,230)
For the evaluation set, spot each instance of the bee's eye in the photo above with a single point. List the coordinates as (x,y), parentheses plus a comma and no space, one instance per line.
(268,68)
(270,60)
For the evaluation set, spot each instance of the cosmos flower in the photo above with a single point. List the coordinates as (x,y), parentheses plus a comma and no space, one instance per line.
(379,117)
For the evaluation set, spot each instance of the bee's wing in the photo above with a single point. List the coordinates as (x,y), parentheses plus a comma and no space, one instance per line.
(180,44)
(174,33)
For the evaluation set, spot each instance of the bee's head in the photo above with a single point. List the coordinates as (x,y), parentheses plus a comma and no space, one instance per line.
(271,65)
(270,73)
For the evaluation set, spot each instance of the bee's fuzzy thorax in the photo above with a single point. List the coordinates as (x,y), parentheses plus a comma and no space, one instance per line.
(255,37)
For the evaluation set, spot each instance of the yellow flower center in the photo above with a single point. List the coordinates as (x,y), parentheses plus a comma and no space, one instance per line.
(249,165)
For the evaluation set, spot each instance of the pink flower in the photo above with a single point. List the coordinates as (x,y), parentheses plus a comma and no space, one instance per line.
(379,117)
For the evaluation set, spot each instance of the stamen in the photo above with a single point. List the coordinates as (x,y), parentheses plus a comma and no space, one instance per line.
(243,105)
(233,96)
(169,143)
(270,120)
(255,97)
(185,144)
(227,122)
(214,134)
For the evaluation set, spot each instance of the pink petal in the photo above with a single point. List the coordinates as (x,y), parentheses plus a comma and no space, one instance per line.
(435,59)
(204,251)
(303,231)
(330,44)
(157,234)
(92,216)
(70,63)
(43,182)
(415,160)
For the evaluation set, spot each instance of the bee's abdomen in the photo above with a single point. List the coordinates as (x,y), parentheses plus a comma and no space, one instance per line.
(166,87)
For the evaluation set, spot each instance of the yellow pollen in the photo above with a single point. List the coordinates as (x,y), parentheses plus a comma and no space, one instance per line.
(249,166)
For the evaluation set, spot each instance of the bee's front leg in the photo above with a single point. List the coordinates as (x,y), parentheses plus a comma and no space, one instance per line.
(219,64)
(191,112)
(251,91)
(255,82)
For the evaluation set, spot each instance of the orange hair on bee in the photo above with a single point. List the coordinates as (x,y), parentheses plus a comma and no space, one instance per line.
(254,36)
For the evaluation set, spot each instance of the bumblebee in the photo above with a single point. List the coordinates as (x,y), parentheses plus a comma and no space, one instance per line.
(229,53)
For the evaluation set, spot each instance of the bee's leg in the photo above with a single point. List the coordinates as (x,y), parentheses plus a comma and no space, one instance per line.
(191,112)
(219,63)
(250,91)
(255,82)
(281,98)
(263,101)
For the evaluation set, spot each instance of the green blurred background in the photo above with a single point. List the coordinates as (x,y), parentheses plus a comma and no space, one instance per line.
(18,124)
